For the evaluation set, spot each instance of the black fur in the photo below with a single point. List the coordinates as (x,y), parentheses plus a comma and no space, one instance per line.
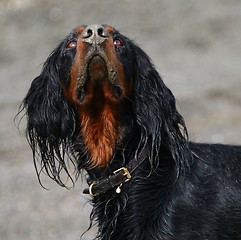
(183,191)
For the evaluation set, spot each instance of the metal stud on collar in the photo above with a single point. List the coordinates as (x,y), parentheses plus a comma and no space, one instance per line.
(90,189)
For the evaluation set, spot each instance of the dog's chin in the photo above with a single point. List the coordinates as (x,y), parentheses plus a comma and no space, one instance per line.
(100,81)
(97,70)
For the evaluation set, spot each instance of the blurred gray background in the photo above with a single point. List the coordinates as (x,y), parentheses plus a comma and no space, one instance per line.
(196,47)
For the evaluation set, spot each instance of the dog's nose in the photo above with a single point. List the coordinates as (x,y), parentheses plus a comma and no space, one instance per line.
(94,34)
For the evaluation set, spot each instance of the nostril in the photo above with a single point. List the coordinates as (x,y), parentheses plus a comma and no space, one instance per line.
(88,33)
(101,32)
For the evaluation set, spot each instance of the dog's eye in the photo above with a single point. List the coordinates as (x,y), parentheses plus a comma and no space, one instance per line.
(118,43)
(71,45)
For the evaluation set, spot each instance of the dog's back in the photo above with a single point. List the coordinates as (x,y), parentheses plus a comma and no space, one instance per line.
(208,199)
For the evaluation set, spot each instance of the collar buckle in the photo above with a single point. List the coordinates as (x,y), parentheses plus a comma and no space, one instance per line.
(126,173)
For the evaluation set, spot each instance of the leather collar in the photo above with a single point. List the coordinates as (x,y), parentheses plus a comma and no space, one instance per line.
(119,177)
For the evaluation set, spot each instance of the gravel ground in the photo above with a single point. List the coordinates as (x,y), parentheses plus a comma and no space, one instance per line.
(196,47)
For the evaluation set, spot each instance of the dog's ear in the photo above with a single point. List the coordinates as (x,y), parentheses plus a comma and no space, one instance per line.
(50,118)
(156,111)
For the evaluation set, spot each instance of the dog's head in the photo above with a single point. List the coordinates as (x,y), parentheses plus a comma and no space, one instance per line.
(98,93)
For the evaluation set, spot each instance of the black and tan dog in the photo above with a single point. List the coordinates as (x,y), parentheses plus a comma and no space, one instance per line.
(100,103)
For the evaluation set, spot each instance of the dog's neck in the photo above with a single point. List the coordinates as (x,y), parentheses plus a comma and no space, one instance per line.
(117,211)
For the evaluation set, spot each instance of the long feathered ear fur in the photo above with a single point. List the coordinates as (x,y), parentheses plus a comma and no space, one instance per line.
(157,115)
(50,119)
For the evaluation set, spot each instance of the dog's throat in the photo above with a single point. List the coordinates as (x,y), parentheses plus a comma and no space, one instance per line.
(100,134)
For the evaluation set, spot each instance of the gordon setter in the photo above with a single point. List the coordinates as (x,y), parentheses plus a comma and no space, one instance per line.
(100,104)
